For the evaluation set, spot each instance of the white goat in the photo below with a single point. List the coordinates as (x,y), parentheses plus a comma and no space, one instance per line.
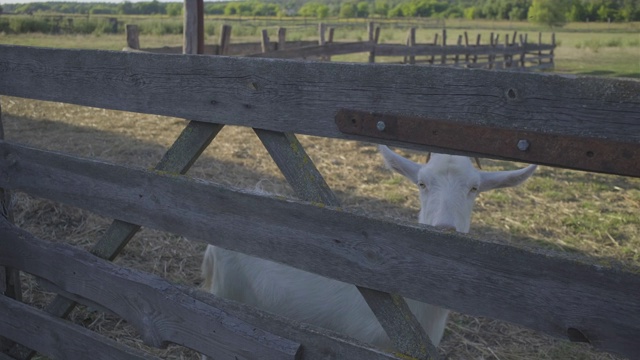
(448,187)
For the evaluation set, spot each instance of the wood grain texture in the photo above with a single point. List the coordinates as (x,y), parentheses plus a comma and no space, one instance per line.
(318,343)
(543,291)
(160,312)
(56,338)
(192,141)
(303,97)
(391,311)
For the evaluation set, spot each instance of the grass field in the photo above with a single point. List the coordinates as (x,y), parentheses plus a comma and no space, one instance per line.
(561,210)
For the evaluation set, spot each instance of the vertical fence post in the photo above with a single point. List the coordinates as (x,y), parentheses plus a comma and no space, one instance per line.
(282,38)
(321,31)
(321,39)
(435,43)
(553,43)
(507,63)
(523,50)
(496,41)
(190,35)
(444,46)
(225,39)
(475,57)
(411,41)
(374,36)
(491,40)
(133,36)
(455,60)
(265,41)
(539,48)
(466,44)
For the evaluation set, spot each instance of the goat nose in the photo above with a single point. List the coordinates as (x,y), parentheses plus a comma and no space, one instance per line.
(445,228)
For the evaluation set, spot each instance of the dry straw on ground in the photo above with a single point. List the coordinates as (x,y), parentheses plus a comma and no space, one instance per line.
(559,209)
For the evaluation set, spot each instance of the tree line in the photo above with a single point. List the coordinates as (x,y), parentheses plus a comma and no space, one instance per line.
(551,12)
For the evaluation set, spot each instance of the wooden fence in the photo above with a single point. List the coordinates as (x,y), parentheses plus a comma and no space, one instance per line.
(581,123)
(514,52)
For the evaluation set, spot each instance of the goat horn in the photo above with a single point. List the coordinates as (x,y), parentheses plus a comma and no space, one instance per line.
(428,157)
(478,163)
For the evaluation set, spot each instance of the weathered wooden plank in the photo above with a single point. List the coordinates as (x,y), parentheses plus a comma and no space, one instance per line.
(178,159)
(317,50)
(543,291)
(190,24)
(58,338)
(318,343)
(303,97)
(161,312)
(450,50)
(392,312)
(9,278)
(3,356)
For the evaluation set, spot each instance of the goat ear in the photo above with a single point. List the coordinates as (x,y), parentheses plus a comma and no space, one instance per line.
(500,179)
(400,164)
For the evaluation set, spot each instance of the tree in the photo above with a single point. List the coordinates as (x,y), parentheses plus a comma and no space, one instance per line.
(347,10)
(174,9)
(549,12)
(309,9)
(381,8)
(362,9)
(322,12)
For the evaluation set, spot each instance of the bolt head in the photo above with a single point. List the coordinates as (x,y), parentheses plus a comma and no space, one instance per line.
(523,145)
(381,125)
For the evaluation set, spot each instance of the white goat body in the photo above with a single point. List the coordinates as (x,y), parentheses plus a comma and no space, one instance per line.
(448,186)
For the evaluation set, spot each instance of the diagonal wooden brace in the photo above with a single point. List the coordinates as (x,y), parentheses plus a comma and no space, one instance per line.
(406,334)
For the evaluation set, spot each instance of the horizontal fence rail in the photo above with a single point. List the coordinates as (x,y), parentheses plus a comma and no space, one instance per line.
(563,297)
(272,94)
(142,300)
(43,332)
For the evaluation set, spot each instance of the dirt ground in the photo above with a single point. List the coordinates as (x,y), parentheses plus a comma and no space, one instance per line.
(559,209)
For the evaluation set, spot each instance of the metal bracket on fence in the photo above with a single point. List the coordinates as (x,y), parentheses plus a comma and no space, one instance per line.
(573,152)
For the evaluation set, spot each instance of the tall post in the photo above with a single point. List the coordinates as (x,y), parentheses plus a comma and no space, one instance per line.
(190,34)
(322,28)
(374,36)
(466,44)
(435,43)
(225,39)
(507,63)
(444,46)
(459,46)
(553,42)
(491,39)
(539,48)
(411,41)
(133,36)
(523,51)
(265,41)
(282,38)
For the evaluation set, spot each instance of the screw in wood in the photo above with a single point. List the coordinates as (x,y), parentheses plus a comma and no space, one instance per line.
(381,125)
(523,145)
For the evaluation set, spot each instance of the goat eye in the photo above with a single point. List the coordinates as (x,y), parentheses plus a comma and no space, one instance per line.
(474,189)
(422,185)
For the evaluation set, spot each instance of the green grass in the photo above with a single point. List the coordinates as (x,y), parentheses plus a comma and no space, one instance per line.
(583,49)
